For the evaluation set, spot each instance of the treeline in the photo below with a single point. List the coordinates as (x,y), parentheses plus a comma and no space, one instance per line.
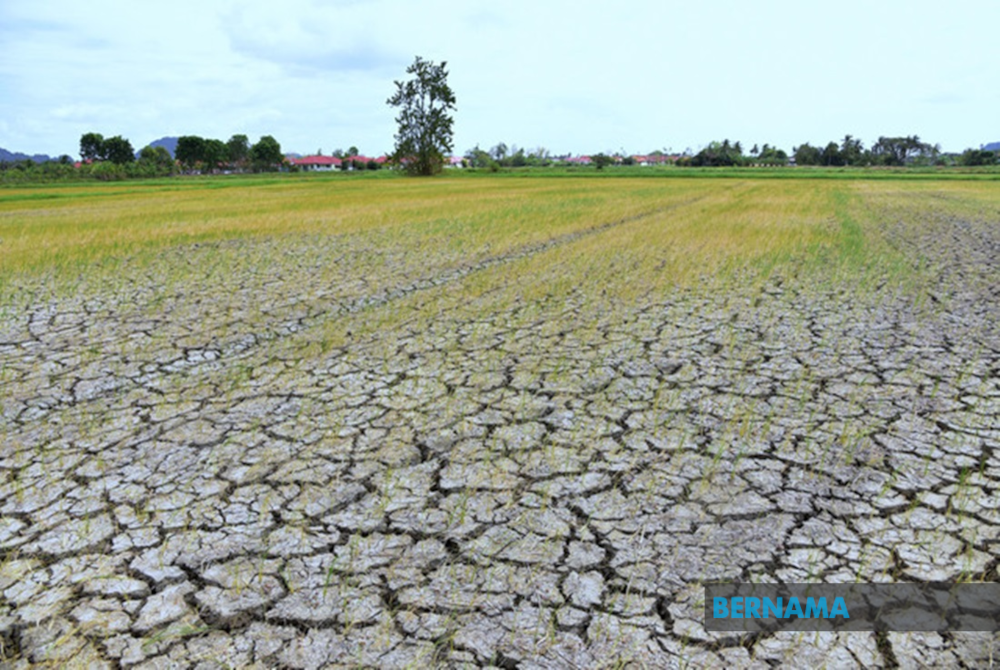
(151,163)
(113,158)
(887,151)
(500,155)
(730,154)
(193,153)
(850,151)
(28,171)
(205,155)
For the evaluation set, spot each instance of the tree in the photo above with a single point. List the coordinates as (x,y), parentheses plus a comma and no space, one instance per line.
(772,156)
(600,160)
(831,156)
(806,154)
(216,152)
(238,150)
(92,147)
(118,150)
(154,161)
(539,157)
(425,125)
(478,158)
(976,157)
(851,150)
(266,154)
(900,150)
(190,150)
(716,154)
(499,152)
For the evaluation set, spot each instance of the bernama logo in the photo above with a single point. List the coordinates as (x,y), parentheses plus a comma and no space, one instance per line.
(763,608)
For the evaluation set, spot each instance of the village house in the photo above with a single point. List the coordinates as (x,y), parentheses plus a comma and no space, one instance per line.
(328,163)
(316,163)
(654,159)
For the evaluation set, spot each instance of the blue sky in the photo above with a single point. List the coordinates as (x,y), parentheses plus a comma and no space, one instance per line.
(573,77)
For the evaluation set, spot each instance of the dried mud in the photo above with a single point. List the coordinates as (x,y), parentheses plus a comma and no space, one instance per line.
(187,478)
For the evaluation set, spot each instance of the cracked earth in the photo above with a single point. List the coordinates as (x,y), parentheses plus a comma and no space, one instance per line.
(188,478)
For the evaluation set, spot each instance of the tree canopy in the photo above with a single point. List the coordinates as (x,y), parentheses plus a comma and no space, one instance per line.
(119,150)
(190,150)
(718,154)
(238,148)
(425,124)
(601,160)
(266,154)
(92,147)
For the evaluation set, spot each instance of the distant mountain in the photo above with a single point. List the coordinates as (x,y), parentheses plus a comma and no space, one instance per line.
(168,143)
(18,156)
(992,146)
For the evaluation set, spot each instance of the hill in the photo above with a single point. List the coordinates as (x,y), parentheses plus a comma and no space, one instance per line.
(168,143)
(992,146)
(18,156)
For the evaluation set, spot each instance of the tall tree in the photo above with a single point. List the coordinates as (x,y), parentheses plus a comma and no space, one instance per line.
(92,147)
(831,155)
(899,150)
(477,158)
(425,124)
(238,150)
(719,154)
(806,154)
(851,150)
(118,150)
(266,154)
(601,160)
(215,152)
(499,152)
(190,150)
(157,156)
(772,156)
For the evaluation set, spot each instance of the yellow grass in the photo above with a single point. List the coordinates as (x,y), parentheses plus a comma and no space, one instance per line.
(659,232)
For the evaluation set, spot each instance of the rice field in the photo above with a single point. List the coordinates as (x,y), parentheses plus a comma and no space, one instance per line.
(389,422)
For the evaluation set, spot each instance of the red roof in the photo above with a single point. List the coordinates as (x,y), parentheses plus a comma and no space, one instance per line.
(334,161)
(662,158)
(315,160)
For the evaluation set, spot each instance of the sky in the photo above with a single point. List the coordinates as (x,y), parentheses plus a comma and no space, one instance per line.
(572,77)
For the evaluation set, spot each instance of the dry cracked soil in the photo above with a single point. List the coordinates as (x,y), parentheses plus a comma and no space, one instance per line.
(188,479)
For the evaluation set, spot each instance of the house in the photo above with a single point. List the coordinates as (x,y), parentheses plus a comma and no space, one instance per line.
(316,163)
(654,159)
